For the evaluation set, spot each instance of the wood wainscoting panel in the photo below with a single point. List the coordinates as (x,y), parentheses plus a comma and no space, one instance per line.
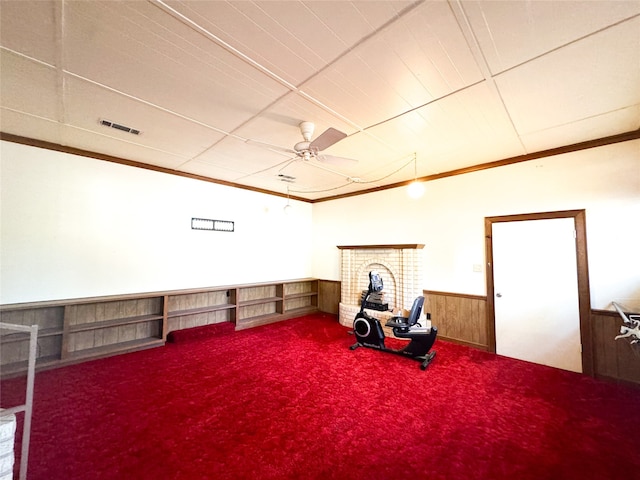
(329,292)
(614,359)
(459,317)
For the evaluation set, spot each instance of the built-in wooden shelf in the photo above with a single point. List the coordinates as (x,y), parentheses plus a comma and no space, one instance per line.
(22,337)
(400,246)
(42,363)
(113,349)
(76,330)
(84,327)
(259,301)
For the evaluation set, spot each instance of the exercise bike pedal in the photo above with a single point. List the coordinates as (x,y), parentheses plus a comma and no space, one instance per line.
(427,360)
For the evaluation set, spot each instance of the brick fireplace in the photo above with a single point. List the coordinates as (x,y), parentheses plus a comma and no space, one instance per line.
(400,266)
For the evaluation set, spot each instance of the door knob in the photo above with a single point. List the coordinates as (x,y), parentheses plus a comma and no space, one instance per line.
(499,295)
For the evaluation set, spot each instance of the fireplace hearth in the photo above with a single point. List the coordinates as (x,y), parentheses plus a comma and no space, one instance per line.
(401,268)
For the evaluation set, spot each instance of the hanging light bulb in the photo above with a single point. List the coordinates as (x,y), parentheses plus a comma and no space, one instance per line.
(416,188)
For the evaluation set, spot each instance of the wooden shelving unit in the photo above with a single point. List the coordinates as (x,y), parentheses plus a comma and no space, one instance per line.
(98,328)
(72,331)
(196,308)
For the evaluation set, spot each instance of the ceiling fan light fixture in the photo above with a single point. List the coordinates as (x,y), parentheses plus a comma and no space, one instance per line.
(307,128)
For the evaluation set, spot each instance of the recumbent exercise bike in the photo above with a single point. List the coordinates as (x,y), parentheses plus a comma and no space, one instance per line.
(369,333)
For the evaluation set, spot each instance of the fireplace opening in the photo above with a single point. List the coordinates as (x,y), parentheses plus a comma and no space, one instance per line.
(388,294)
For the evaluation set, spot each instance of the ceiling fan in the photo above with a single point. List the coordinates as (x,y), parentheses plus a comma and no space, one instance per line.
(311,149)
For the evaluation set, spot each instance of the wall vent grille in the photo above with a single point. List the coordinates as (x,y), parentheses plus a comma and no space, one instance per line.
(286,178)
(117,126)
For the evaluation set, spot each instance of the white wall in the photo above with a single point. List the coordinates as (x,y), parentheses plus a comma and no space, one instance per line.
(449,219)
(75,227)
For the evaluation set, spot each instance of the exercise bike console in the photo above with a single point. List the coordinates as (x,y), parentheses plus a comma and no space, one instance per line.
(369,333)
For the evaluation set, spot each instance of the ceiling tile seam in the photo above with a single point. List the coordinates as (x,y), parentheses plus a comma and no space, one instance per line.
(151,104)
(287,161)
(27,57)
(187,53)
(114,90)
(234,51)
(61,86)
(257,25)
(53,121)
(490,33)
(472,41)
(32,115)
(430,102)
(274,76)
(257,5)
(564,124)
(299,89)
(137,144)
(351,49)
(230,48)
(433,65)
(560,47)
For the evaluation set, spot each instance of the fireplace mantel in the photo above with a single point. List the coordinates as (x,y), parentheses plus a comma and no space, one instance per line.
(414,246)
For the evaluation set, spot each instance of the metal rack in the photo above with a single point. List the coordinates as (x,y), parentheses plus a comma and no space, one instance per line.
(27,407)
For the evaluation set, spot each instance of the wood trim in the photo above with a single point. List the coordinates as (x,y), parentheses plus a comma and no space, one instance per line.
(414,246)
(599,142)
(165,317)
(459,295)
(477,346)
(576,147)
(607,313)
(584,297)
(8,137)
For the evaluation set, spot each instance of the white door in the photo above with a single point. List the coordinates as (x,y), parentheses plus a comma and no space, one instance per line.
(537,315)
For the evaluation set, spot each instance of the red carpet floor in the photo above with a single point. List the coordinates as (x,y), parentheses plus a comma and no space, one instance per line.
(290,400)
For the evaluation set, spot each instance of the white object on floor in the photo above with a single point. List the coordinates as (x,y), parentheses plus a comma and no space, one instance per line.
(7,442)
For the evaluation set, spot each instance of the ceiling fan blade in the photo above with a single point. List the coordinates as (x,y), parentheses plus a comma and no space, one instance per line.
(337,160)
(327,138)
(275,148)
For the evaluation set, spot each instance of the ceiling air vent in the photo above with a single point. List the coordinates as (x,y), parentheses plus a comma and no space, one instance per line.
(117,126)
(286,178)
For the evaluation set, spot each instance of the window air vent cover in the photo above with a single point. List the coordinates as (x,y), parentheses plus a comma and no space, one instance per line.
(215,225)
(117,126)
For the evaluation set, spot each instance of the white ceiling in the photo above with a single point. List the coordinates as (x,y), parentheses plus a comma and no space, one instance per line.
(208,83)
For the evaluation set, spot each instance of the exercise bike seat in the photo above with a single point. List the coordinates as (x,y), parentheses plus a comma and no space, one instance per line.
(412,332)
(412,319)
(397,322)
(406,327)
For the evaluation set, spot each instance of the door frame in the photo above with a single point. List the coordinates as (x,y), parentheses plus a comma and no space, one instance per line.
(584,296)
